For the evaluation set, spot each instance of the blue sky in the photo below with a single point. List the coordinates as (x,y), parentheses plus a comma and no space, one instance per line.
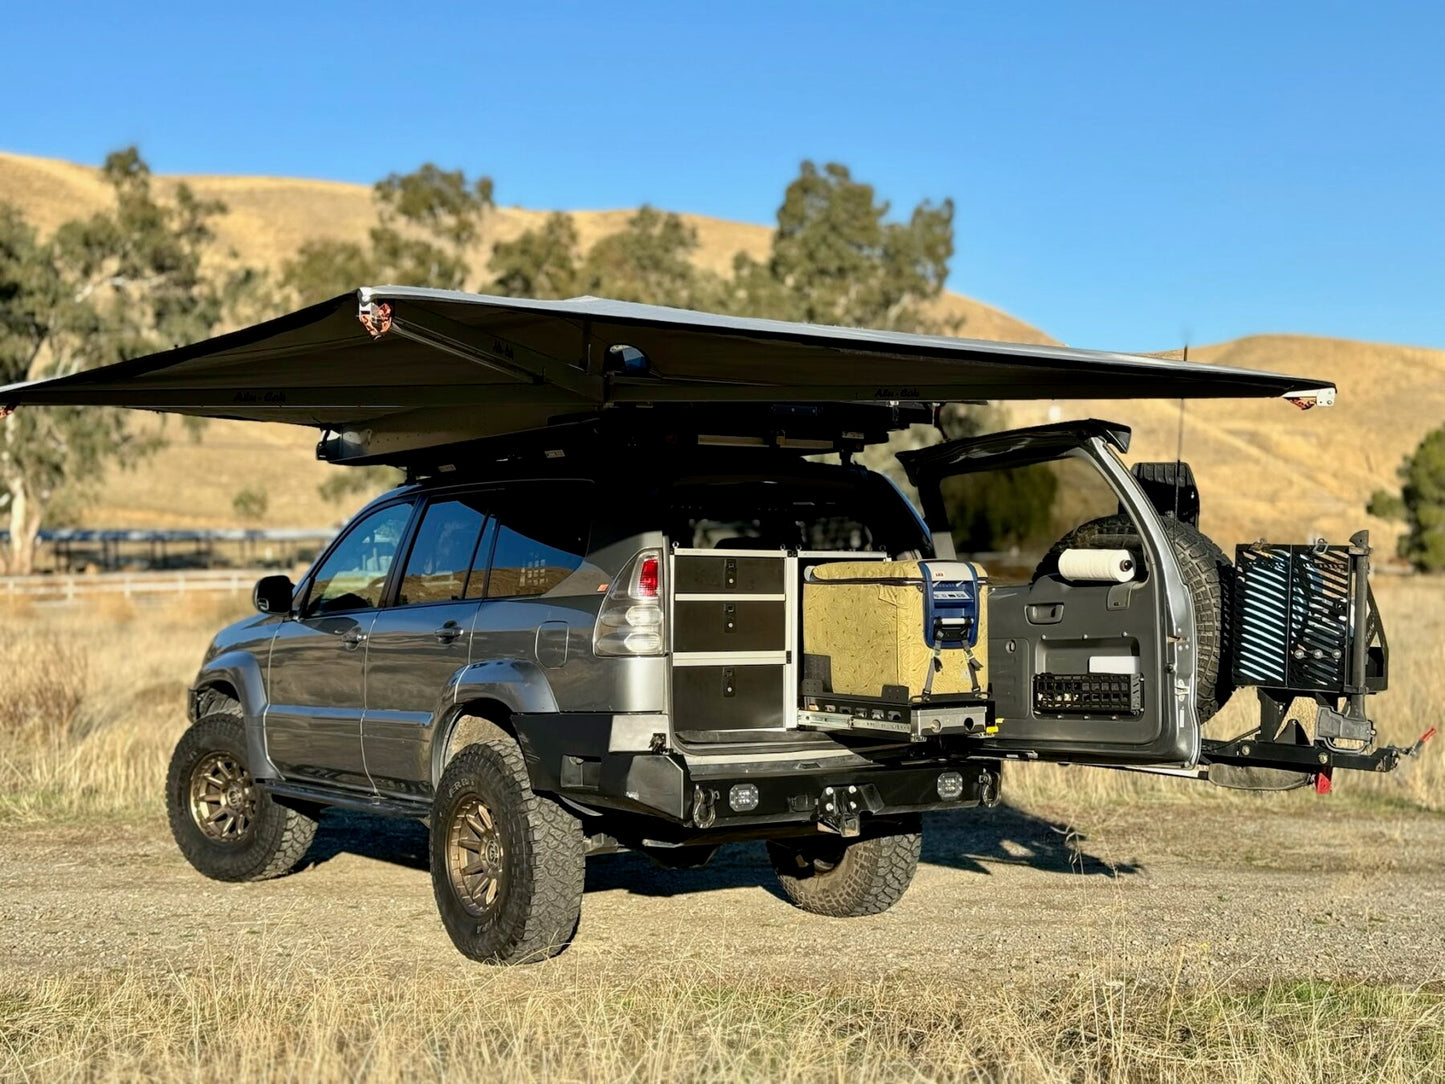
(1127,175)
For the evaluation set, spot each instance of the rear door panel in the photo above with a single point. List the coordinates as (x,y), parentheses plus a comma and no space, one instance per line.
(412,656)
(1053,634)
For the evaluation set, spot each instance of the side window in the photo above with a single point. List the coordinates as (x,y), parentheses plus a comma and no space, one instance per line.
(354,573)
(441,556)
(541,538)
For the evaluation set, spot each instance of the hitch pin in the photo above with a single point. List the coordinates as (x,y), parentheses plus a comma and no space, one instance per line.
(1414,749)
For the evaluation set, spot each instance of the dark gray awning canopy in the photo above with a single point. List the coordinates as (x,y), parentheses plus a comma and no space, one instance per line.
(396,367)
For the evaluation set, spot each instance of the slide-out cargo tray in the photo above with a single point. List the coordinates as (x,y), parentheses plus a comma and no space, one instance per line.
(909,720)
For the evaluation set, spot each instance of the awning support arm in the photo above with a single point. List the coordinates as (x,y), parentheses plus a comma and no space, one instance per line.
(511,359)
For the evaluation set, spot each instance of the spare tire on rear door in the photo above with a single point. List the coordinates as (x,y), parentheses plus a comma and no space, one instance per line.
(1208,574)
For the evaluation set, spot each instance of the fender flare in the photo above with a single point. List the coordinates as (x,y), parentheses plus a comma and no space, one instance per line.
(519,686)
(243,672)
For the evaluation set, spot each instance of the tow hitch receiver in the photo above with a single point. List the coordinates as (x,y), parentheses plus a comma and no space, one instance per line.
(840,809)
(1291,750)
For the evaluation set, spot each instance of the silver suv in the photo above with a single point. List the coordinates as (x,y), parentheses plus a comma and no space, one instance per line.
(641,642)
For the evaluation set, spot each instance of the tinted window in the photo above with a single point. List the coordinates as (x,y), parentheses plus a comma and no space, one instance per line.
(540,541)
(441,556)
(764,514)
(354,573)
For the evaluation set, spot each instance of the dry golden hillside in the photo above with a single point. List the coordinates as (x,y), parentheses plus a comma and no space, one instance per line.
(269,217)
(1265,469)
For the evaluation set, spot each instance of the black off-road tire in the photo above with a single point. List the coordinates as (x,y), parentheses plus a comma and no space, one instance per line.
(847,878)
(541,859)
(1209,575)
(277,837)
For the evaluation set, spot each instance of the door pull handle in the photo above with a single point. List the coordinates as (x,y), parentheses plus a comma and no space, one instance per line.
(352,638)
(449,632)
(1047,613)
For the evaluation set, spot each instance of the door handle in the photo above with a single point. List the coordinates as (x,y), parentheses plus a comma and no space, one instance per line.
(448,632)
(351,638)
(1044,613)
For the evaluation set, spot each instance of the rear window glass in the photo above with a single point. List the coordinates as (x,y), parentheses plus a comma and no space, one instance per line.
(541,543)
(766,514)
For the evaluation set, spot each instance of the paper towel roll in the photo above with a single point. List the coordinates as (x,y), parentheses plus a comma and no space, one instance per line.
(1099,566)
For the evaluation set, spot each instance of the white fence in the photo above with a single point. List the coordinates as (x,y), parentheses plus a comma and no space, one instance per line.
(69,587)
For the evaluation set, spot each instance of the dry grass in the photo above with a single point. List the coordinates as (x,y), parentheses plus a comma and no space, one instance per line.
(93,703)
(223,1018)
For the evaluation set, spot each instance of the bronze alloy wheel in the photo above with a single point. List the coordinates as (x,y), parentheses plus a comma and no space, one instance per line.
(475,856)
(223,798)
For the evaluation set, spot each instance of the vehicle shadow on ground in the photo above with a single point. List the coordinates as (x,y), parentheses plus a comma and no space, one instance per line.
(396,840)
(972,840)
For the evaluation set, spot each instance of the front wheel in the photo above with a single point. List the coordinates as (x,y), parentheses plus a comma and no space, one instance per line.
(227,827)
(506,865)
(846,878)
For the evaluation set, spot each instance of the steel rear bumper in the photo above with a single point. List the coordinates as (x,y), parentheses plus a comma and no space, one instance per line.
(570,755)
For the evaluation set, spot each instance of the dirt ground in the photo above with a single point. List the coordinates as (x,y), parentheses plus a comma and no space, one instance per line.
(1292,886)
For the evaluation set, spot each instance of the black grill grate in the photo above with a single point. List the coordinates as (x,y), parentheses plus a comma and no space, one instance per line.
(1292,617)
(1088,694)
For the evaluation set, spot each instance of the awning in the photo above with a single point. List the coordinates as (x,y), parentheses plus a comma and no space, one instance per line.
(399,367)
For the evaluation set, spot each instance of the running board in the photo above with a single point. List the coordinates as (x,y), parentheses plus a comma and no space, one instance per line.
(367,803)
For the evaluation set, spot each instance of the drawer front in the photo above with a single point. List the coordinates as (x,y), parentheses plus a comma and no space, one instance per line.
(721,697)
(721,625)
(708,575)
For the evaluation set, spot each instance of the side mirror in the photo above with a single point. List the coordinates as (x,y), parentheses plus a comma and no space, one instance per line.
(273,594)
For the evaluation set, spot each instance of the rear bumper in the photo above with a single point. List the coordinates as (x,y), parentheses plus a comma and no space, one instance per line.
(568,755)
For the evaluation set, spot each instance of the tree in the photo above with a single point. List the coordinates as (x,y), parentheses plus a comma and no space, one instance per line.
(836,258)
(1420,504)
(349,481)
(250,503)
(123,282)
(650,260)
(427,223)
(541,262)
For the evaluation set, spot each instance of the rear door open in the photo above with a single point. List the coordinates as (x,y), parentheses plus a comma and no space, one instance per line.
(1082,669)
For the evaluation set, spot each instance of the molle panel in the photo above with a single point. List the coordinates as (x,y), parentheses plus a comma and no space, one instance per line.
(750,626)
(723,697)
(711,575)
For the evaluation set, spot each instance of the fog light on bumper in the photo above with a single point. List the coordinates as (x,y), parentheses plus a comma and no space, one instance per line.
(743,797)
(950,786)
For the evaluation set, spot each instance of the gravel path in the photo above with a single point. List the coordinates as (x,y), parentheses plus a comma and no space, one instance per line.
(1300,888)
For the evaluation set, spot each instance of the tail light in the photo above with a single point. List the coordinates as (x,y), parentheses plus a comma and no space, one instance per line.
(632,617)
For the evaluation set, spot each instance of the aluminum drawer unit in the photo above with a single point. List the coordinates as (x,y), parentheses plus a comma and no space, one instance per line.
(734,627)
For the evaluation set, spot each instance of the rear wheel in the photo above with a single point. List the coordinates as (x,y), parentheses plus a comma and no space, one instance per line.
(846,878)
(506,864)
(227,827)
(1209,576)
